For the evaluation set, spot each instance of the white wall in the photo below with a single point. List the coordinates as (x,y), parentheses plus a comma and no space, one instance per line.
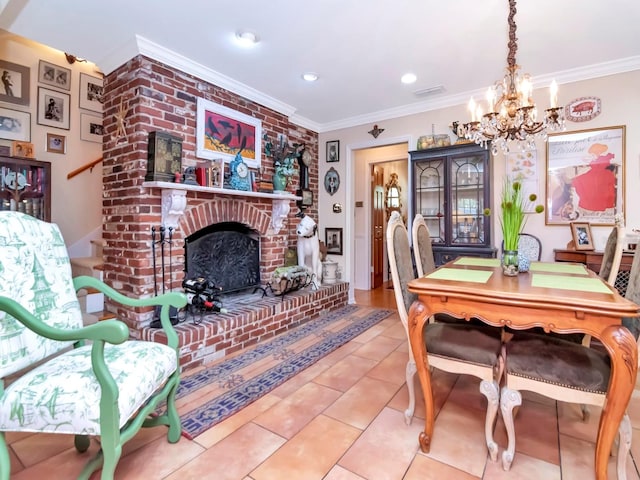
(76,204)
(620,98)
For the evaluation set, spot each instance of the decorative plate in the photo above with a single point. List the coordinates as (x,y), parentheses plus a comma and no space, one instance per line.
(582,109)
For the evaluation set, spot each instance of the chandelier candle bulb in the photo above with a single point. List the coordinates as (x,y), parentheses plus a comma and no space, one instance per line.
(553,91)
(472,109)
(491,98)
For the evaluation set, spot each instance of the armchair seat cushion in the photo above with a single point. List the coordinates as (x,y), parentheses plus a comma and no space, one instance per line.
(468,343)
(63,395)
(559,362)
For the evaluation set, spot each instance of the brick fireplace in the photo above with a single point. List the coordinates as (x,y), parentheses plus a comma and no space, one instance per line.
(160,98)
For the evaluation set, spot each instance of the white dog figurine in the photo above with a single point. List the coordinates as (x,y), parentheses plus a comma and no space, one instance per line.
(309,248)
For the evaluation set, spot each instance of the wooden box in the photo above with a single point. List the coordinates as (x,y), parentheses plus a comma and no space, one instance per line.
(164,157)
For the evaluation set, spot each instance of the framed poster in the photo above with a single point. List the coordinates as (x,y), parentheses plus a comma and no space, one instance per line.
(333,151)
(53,108)
(91,93)
(585,176)
(53,75)
(15,125)
(91,128)
(222,132)
(15,83)
(333,240)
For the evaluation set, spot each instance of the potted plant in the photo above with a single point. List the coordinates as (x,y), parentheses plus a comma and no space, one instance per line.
(283,156)
(514,208)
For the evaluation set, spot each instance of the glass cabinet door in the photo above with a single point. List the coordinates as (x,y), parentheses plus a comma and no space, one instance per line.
(467,194)
(430,196)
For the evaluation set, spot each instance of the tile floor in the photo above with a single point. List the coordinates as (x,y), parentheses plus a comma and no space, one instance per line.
(342,419)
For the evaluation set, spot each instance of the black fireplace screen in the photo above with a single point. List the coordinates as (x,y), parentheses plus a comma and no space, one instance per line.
(226,253)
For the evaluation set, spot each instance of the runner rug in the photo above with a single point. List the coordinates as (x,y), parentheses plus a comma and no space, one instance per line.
(214,393)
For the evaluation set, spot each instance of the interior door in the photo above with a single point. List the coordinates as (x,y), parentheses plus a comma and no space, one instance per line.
(377,230)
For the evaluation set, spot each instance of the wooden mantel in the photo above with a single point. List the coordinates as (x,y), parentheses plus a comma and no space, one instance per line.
(174,201)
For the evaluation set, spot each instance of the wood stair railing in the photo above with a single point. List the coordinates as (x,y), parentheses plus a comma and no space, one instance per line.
(88,166)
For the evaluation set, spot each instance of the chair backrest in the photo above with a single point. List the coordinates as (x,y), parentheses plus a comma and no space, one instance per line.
(612,255)
(530,246)
(400,264)
(35,272)
(422,249)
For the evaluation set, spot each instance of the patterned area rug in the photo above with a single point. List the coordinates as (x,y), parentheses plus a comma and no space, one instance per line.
(222,389)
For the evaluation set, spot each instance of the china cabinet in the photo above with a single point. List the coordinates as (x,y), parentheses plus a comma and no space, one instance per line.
(451,187)
(25,186)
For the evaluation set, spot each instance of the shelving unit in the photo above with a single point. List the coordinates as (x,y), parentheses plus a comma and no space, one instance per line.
(451,188)
(25,186)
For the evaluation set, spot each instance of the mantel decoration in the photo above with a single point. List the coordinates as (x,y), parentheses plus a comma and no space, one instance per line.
(284,156)
(514,210)
(512,112)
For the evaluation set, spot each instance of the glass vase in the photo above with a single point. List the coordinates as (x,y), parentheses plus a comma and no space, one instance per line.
(510,263)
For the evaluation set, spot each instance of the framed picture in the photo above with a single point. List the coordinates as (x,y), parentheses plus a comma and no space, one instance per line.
(53,75)
(53,108)
(222,132)
(91,128)
(56,143)
(15,125)
(331,181)
(333,151)
(585,176)
(333,240)
(581,233)
(22,149)
(15,83)
(91,93)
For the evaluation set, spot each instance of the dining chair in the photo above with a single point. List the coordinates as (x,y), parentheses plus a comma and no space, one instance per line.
(422,247)
(564,370)
(457,348)
(530,246)
(58,376)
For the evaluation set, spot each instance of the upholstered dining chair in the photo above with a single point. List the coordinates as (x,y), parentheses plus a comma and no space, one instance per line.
(530,246)
(422,247)
(456,348)
(568,371)
(50,380)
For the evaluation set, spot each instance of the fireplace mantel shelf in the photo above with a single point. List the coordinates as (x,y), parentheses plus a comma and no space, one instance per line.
(174,201)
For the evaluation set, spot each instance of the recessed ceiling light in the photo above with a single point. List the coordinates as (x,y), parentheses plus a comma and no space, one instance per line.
(310,76)
(246,39)
(408,78)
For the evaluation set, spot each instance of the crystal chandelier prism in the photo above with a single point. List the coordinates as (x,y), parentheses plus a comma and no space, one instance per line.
(512,113)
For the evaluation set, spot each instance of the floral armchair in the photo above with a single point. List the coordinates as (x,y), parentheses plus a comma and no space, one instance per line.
(50,380)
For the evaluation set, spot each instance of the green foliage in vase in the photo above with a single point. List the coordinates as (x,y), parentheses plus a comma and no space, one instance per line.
(283,155)
(514,209)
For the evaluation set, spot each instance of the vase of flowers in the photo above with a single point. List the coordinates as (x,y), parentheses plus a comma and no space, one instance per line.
(283,156)
(514,210)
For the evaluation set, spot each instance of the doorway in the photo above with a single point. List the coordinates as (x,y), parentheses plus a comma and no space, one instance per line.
(378,226)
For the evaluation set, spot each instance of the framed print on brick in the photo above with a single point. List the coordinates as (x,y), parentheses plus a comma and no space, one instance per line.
(53,108)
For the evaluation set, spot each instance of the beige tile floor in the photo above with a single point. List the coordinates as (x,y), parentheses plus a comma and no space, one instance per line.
(342,419)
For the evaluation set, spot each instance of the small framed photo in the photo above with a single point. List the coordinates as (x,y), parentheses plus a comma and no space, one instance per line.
(216,173)
(91,128)
(333,240)
(581,232)
(15,83)
(22,149)
(56,143)
(53,75)
(15,125)
(91,92)
(333,151)
(53,108)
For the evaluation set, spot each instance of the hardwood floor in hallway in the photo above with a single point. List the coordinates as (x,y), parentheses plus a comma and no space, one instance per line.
(342,419)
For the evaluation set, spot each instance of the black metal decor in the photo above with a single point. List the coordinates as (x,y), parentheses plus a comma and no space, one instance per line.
(166,237)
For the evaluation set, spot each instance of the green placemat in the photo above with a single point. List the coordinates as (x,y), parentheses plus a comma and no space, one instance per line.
(563,282)
(478,262)
(558,267)
(461,275)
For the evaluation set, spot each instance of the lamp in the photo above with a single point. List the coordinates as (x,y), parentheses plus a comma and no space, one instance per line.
(392,195)
(512,113)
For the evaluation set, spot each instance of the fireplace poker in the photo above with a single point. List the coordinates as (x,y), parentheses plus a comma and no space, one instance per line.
(153,254)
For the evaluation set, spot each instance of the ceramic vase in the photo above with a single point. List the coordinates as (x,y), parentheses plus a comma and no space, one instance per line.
(279,182)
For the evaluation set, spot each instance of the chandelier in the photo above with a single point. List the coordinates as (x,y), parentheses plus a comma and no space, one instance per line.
(512,113)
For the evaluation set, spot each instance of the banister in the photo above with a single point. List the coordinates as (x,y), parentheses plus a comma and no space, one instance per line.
(88,166)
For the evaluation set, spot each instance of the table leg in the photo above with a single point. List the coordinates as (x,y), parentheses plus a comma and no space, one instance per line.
(418,316)
(623,350)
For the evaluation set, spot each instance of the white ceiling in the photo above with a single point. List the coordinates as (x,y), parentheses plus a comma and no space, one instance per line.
(360,49)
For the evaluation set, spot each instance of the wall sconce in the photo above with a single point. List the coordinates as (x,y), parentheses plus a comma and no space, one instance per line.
(392,195)
(71,59)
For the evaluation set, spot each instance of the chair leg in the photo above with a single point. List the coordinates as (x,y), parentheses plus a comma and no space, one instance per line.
(411,387)
(175,427)
(623,447)
(490,390)
(509,399)
(5,465)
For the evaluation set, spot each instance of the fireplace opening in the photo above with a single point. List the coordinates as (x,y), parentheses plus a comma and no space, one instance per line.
(227,254)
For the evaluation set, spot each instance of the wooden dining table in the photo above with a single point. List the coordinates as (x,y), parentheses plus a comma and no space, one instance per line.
(559,297)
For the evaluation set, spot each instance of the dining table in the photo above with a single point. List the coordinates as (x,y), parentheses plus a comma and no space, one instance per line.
(558,297)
